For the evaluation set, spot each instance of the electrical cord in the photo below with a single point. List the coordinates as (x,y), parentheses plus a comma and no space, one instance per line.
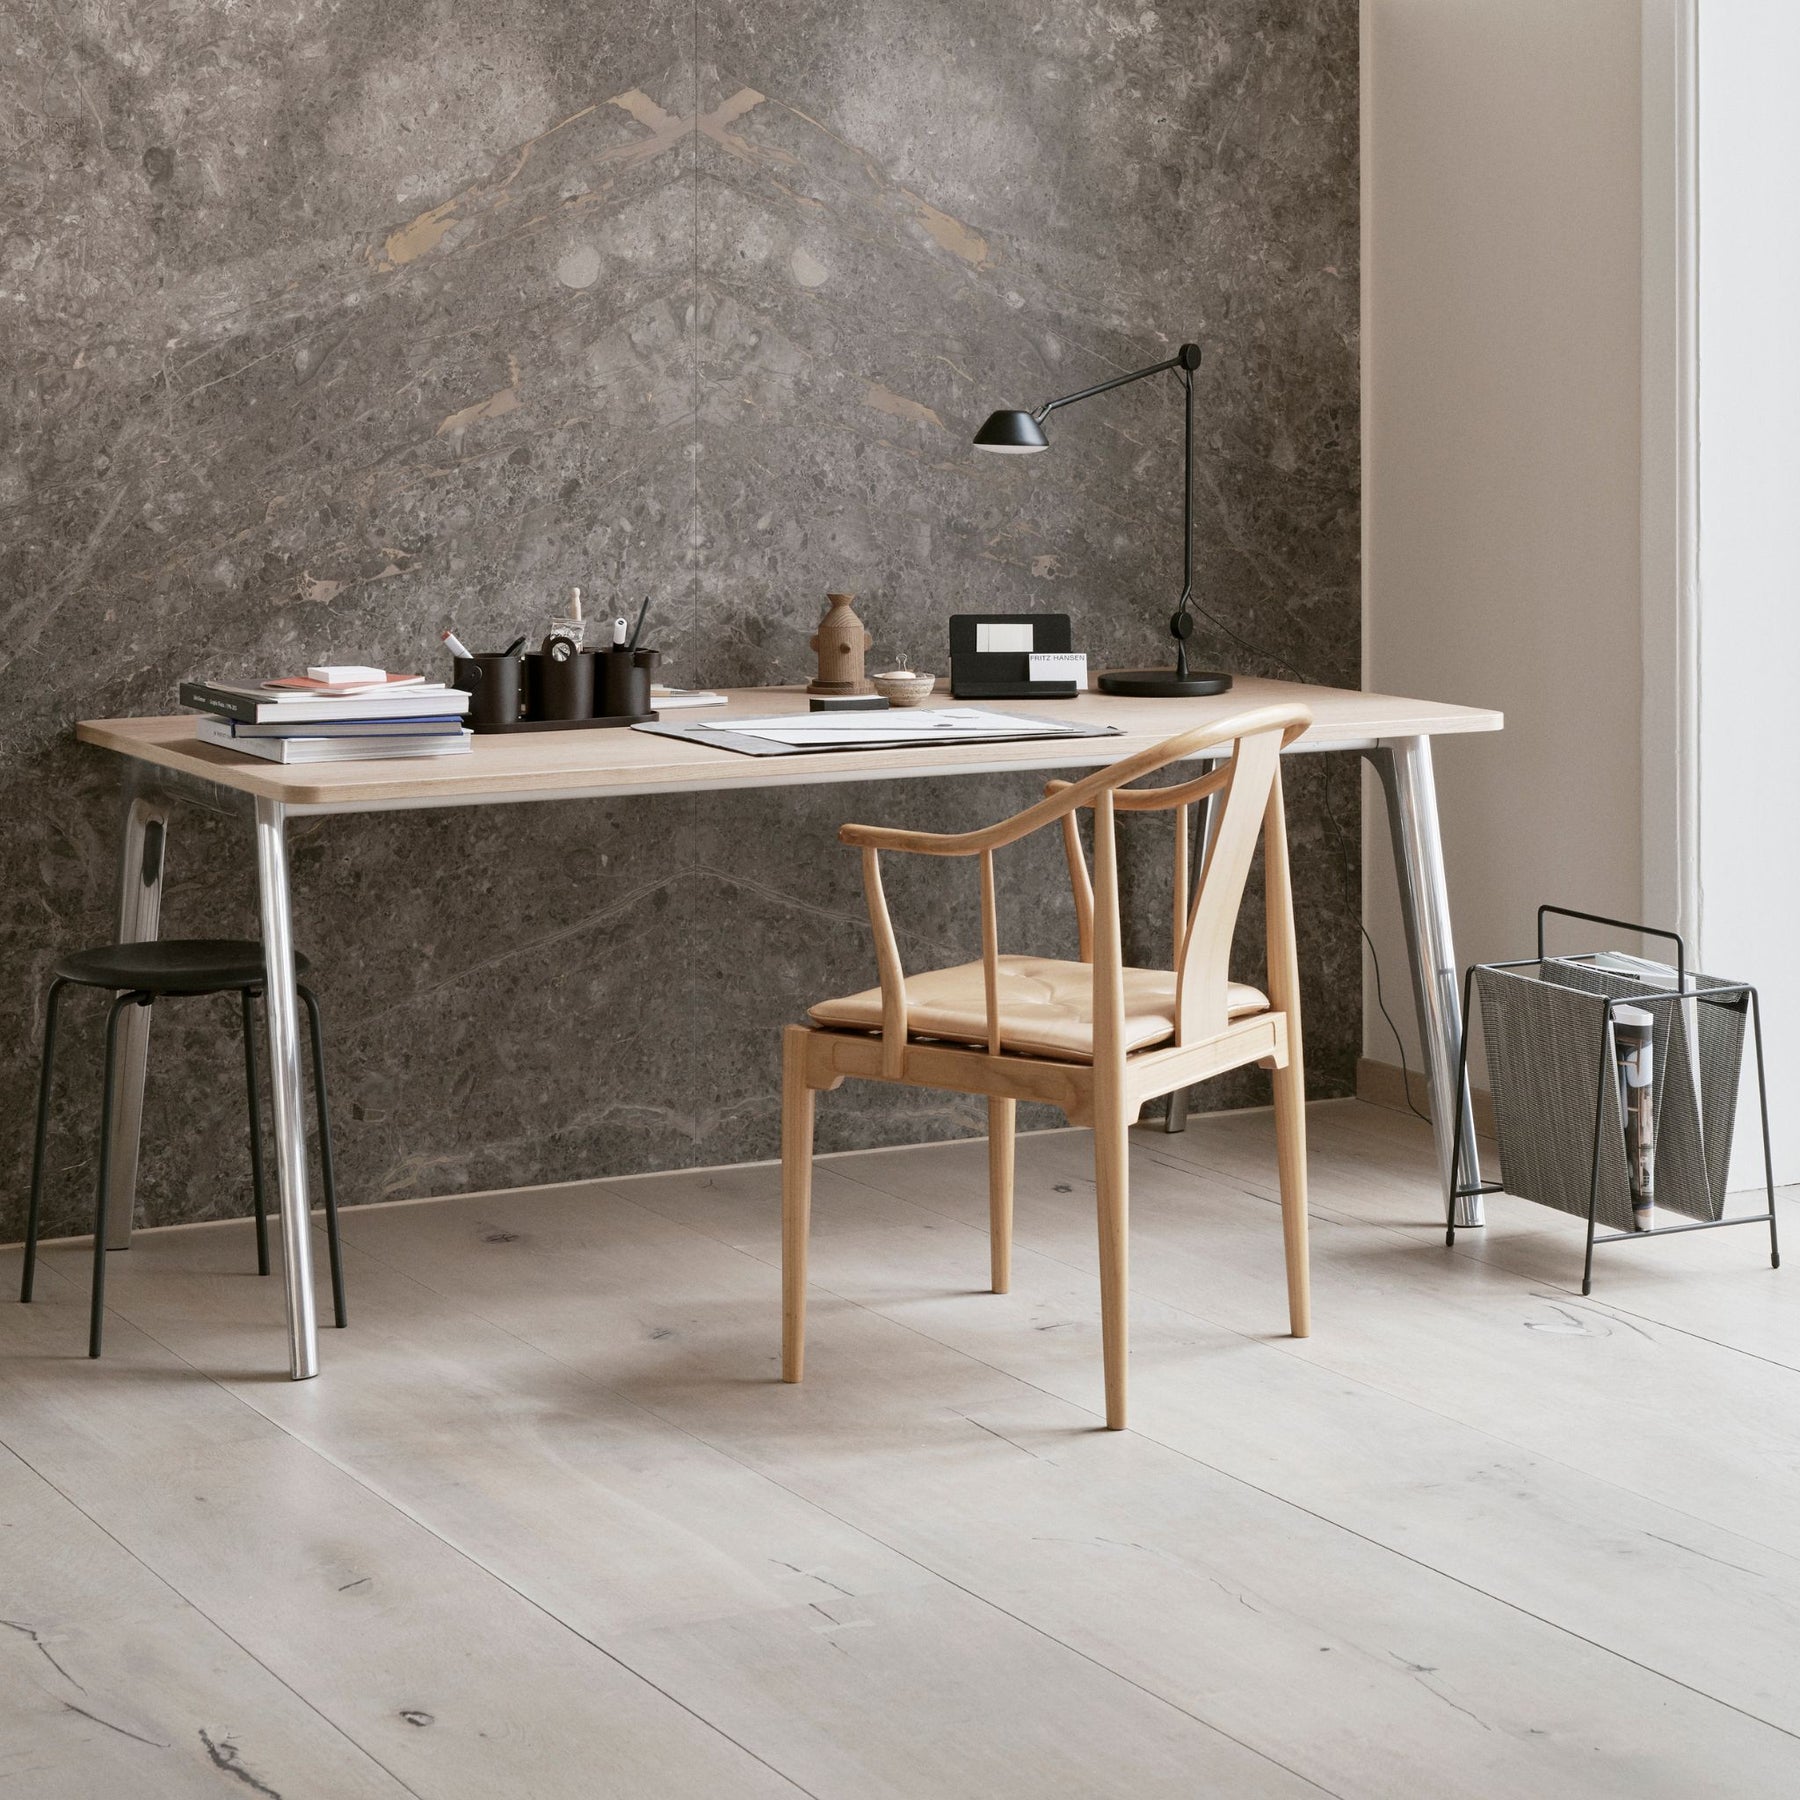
(1351,901)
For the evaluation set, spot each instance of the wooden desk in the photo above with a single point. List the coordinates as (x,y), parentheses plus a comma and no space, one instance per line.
(166,761)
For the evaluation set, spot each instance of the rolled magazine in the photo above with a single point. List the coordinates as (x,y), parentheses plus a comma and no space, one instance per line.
(1634,1046)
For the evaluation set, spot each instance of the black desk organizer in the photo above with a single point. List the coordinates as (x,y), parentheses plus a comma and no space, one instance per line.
(1548,1026)
(588,691)
(1006,674)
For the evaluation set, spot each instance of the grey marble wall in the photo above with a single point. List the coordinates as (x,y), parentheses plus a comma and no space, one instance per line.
(326,325)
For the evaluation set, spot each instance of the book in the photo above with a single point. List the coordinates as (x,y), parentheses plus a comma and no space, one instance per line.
(1651,974)
(368,681)
(331,749)
(668,696)
(255,703)
(291,689)
(432,725)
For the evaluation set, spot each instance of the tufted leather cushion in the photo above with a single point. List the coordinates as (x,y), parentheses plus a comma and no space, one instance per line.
(1046,1007)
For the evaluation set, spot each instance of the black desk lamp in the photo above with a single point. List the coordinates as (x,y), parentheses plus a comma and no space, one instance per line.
(1021,433)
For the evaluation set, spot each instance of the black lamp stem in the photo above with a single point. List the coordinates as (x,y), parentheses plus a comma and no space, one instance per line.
(1187,532)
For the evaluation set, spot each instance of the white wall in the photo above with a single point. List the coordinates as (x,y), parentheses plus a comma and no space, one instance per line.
(1748,621)
(1581,390)
(1501,377)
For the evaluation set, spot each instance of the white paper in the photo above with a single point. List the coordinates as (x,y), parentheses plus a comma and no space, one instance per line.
(1013,638)
(973,724)
(1058,665)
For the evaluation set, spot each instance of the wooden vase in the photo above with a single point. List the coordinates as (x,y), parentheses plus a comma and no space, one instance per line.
(841,642)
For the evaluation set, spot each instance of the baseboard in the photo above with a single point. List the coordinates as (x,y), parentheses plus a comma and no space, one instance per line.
(1383,1084)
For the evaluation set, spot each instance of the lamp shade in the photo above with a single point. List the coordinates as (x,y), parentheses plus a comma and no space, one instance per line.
(1011,434)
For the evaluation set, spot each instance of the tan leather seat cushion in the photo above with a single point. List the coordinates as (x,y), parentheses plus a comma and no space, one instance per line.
(1046,1007)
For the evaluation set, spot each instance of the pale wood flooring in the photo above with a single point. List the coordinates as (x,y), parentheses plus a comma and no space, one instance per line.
(548,1525)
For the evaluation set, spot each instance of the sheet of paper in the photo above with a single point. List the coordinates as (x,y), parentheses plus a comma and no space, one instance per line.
(909,726)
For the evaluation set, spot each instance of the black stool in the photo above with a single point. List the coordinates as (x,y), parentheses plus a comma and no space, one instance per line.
(139,974)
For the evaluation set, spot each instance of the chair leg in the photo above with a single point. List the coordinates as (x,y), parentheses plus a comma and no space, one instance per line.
(1002,1117)
(797,1103)
(46,1077)
(1112,1197)
(253,1082)
(1290,1152)
(97,1300)
(329,1181)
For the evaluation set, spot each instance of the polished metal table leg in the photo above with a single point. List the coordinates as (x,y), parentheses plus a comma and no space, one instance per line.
(1177,1116)
(143,844)
(282,1004)
(1404,766)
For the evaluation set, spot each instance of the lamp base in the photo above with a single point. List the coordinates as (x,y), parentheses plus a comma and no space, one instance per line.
(1162,684)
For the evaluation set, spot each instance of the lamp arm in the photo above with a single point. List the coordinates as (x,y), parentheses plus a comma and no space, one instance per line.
(1177,361)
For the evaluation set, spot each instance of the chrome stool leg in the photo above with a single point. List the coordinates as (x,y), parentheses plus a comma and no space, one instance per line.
(97,1303)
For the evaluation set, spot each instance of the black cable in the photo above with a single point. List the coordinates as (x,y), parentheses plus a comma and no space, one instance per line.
(1399,1042)
(1352,901)
(1337,831)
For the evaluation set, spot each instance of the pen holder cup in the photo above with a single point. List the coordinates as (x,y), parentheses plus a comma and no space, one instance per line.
(625,682)
(495,685)
(559,689)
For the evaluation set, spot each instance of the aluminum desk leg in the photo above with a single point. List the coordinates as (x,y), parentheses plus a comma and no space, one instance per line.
(1177,1116)
(1404,765)
(143,845)
(282,1005)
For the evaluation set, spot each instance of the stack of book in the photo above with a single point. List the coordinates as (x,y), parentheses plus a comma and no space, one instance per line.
(331,714)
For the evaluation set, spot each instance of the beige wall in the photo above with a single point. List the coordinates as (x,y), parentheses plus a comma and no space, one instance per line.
(1501,379)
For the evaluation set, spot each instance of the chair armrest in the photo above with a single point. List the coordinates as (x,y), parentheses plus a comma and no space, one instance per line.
(917,843)
(1065,797)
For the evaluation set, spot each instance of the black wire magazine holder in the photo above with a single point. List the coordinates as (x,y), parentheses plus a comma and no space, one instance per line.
(1548,1025)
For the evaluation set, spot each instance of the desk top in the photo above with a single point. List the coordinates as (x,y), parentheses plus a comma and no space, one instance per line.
(567,765)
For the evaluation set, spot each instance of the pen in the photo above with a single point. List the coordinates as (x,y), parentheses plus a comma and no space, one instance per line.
(457,647)
(638,630)
(514,647)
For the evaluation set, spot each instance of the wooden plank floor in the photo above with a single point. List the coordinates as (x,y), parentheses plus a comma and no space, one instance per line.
(549,1526)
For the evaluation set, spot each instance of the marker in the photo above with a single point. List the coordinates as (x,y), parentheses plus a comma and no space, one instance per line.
(620,631)
(457,647)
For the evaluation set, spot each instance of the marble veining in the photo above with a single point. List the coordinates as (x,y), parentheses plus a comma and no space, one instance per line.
(324,326)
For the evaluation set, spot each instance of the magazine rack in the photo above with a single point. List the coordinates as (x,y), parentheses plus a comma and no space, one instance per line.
(1548,1024)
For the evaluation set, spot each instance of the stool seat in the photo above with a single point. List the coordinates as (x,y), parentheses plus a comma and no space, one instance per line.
(172,966)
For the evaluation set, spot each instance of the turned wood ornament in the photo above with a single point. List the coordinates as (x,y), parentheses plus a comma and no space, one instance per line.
(842,643)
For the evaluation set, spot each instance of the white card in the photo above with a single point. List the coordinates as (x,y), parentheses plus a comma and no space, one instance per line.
(1009,636)
(1058,665)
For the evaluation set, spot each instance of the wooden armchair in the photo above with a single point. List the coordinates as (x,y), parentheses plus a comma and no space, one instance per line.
(1093,1037)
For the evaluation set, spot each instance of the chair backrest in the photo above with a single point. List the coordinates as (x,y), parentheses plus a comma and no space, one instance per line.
(1248,784)
(1245,790)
